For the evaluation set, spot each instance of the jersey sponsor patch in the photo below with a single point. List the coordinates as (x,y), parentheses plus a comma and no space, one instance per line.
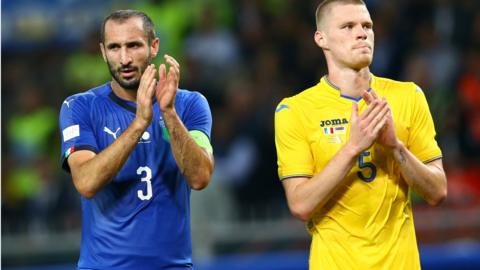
(334,139)
(71,132)
(334,130)
(145,137)
(164,129)
(69,151)
(333,122)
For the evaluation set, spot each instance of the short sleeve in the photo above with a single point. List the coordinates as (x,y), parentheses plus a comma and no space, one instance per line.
(421,140)
(75,128)
(198,115)
(293,151)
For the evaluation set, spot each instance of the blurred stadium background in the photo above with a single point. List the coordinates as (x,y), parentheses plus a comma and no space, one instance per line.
(244,56)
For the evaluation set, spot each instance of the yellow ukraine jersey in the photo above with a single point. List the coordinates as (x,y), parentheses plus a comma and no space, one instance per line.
(368,223)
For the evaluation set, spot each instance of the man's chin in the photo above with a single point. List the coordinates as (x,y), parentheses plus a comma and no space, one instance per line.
(363,62)
(129,85)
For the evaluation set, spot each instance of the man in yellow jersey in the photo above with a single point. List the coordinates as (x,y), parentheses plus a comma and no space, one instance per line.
(351,148)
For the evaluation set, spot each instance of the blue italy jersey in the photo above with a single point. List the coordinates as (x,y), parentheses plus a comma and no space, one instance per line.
(140,220)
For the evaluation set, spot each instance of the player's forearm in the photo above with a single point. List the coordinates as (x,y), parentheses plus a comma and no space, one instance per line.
(428,180)
(315,192)
(91,176)
(194,162)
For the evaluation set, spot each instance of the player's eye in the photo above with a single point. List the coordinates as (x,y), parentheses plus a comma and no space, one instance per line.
(113,47)
(367,26)
(134,45)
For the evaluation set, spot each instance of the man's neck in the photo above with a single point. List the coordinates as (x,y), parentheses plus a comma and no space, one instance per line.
(351,82)
(121,92)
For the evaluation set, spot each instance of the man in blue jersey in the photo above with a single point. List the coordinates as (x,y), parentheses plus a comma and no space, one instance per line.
(135,147)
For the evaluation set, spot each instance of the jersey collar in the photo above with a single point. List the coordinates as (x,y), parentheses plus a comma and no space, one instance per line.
(126,104)
(336,89)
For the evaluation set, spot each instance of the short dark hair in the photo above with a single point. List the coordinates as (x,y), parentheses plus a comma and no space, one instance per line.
(123,15)
(322,8)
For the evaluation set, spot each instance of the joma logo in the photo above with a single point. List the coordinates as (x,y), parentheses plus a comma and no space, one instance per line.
(333,122)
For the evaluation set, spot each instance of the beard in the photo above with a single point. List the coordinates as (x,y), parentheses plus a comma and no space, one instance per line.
(130,83)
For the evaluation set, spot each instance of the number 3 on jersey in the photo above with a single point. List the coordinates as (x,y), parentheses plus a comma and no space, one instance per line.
(362,165)
(147,178)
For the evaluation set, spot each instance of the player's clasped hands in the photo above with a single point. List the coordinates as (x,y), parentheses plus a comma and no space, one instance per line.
(387,136)
(165,90)
(365,127)
(145,94)
(167,86)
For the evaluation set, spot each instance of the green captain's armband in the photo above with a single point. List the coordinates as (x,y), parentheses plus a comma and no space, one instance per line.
(202,140)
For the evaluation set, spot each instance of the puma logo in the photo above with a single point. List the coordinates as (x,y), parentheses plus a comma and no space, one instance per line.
(68,102)
(114,134)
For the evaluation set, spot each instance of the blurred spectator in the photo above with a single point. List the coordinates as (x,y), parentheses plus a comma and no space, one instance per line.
(382,60)
(463,30)
(85,68)
(211,50)
(469,97)
(28,184)
(237,153)
(170,27)
(31,127)
(443,20)
(250,21)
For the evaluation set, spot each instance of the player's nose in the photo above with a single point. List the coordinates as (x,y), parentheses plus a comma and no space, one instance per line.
(125,57)
(360,32)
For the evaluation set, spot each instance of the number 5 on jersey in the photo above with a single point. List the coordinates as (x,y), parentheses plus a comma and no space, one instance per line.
(147,178)
(366,165)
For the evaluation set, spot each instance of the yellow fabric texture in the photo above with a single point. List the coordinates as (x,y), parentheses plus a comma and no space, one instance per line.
(368,223)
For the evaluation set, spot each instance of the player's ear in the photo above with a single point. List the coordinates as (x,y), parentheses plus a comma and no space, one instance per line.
(320,39)
(154,47)
(102,48)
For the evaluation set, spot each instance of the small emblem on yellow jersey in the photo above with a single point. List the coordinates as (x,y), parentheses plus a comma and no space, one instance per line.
(334,139)
(334,130)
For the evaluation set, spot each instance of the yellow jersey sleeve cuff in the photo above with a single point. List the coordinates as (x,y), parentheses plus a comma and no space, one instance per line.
(429,155)
(286,177)
(432,159)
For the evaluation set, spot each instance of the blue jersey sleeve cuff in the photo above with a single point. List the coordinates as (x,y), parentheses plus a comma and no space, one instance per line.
(72,149)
